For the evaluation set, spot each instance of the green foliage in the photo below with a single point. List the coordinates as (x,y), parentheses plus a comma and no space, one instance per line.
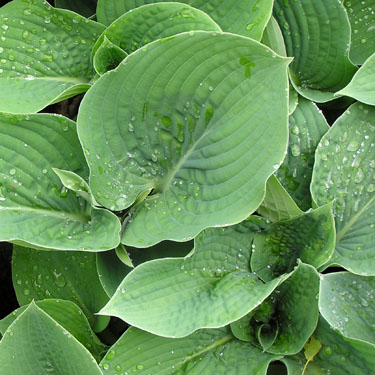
(194,213)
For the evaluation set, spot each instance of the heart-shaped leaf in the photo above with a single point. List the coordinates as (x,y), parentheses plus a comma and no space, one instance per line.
(37,65)
(194,133)
(35,207)
(58,274)
(244,17)
(344,173)
(158,296)
(70,317)
(347,302)
(203,352)
(317,35)
(36,344)
(362,86)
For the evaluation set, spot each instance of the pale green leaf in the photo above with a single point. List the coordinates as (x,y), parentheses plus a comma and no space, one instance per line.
(362,86)
(273,37)
(36,344)
(344,173)
(70,317)
(58,274)
(317,35)
(215,282)
(35,207)
(37,64)
(347,302)
(309,237)
(194,133)
(244,17)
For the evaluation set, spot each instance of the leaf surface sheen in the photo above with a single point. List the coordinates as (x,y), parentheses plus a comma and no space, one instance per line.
(44,55)
(243,17)
(344,172)
(35,208)
(186,132)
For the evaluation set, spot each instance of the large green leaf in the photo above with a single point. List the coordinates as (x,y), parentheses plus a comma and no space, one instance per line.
(154,21)
(278,204)
(317,35)
(203,352)
(362,86)
(347,302)
(35,207)
(287,318)
(339,355)
(37,344)
(344,172)
(70,317)
(362,19)
(215,282)
(44,55)
(58,274)
(307,125)
(85,7)
(244,17)
(194,133)
(309,237)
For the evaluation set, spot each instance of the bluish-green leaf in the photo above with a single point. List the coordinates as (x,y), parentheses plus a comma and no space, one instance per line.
(194,133)
(44,55)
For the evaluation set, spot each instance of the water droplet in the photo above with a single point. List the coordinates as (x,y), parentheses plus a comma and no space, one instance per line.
(296,151)
(139,367)
(106,366)
(359,176)
(353,145)
(12,172)
(4,27)
(44,171)
(26,292)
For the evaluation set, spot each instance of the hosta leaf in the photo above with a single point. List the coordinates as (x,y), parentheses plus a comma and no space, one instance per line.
(344,173)
(85,7)
(203,352)
(307,126)
(112,271)
(158,296)
(317,35)
(362,86)
(286,319)
(58,274)
(293,100)
(309,237)
(154,21)
(273,37)
(244,17)
(37,344)
(70,317)
(347,302)
(362,19)
(194,133)
(37,65)
(35,207)
(278,204)
(339,355)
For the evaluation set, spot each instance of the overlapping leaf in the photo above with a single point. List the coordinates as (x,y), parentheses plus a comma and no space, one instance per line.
(344,172)
(44,55)
(70,317)
(307,125)
(203,352)
(244,17)
(215,282)
(66,275)
(317,35)
(37,344)
(35,207)
(193,132)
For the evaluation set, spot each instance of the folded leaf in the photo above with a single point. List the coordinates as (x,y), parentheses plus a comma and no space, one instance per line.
(158,296)
(344,173)
(37,344)
(244,17)
(317,35)
(58,274)
(35,207)
(347,302)
(194,133)
(37,65)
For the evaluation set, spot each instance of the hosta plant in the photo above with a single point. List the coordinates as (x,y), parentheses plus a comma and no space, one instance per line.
(188,187)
